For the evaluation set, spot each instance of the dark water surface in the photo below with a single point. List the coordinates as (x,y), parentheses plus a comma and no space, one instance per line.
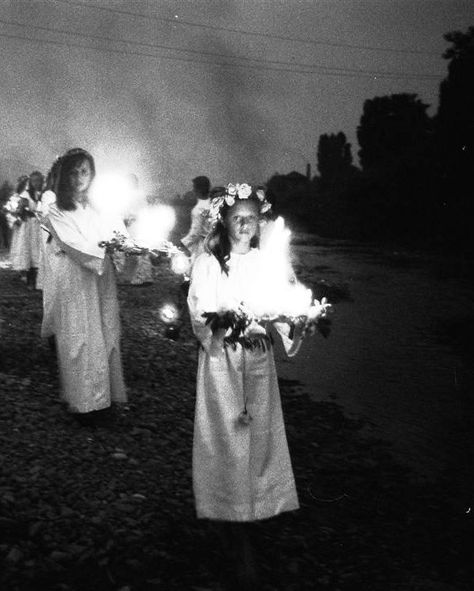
(399,354)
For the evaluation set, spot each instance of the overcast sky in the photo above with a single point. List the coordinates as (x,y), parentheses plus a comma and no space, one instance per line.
(234,89)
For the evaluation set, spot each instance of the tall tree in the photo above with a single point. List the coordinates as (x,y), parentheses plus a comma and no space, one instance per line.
(334,155)
(334,208)
(455,131)
(392,131)
(396,136)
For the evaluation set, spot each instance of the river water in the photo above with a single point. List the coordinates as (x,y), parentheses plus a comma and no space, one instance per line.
(399,349)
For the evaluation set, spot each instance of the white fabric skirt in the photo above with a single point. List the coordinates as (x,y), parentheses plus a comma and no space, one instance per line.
(240,472)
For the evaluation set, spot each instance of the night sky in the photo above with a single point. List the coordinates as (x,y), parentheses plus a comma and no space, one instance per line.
(235,89)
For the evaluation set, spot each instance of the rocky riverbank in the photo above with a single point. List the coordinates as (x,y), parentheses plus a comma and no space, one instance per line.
(110,508)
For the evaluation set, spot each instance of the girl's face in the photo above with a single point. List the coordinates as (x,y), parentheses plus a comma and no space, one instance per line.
(80,177)
(36,182)
(241,222)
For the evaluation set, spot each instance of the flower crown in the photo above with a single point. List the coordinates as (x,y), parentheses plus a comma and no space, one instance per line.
(228,196)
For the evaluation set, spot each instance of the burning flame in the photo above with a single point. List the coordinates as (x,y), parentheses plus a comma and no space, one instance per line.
(152,225)
(277,293)
(113,194)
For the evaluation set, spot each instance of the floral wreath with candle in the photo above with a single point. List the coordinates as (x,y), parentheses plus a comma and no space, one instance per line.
(228,195)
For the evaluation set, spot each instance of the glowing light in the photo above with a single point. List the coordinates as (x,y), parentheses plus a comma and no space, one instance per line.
(153,225)
(180,264)
(276,291)
(112,194)
(169,313)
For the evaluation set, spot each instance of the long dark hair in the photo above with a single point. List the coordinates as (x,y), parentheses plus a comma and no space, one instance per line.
(51,177)
(217,242)
(21,184)
(64,196)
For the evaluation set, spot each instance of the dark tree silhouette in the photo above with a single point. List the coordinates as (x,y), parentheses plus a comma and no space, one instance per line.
(334,156)
(393,131)
(455,134)
(396,153)
(334,209)
(290,195)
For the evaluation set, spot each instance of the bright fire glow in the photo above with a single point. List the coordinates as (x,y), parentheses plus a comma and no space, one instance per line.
(113,194)
(169,313)
(153,225)
(276,292)
(180,264)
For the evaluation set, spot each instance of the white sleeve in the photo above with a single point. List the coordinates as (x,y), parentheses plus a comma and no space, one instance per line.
(291,345)
(195,233)
(202,297)
(82,249)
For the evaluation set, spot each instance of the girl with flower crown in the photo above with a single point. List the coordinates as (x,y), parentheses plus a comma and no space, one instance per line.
(80,305)
(241,464)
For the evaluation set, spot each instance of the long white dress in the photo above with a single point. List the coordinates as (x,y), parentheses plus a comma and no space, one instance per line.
(240,472)
(80,307)
(47,200)
(26,238)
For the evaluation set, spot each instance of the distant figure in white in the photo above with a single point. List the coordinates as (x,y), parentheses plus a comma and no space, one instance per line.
(194,239)
(81,307)
(26,234)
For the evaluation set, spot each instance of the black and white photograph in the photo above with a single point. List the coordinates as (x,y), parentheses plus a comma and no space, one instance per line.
(236,295)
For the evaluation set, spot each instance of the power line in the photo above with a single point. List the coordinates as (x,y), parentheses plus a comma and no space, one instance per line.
(175,58)
(154,55)
(294,67)
(242,31)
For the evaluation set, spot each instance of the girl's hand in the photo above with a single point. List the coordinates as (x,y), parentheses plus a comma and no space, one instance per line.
(303,327)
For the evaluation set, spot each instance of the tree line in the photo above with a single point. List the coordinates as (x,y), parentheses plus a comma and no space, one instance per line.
(415,180)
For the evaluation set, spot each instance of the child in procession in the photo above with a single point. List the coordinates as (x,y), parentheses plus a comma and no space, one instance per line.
(80,305)
(241,463)
(26,231)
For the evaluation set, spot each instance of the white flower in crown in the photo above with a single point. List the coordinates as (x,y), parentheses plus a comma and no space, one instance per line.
(261,195)
(230,200)
(244,191)
(266,206)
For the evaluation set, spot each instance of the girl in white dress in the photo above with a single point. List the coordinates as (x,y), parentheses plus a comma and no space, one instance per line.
(14,207)
(241,464)
(80,305)
(26,231)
